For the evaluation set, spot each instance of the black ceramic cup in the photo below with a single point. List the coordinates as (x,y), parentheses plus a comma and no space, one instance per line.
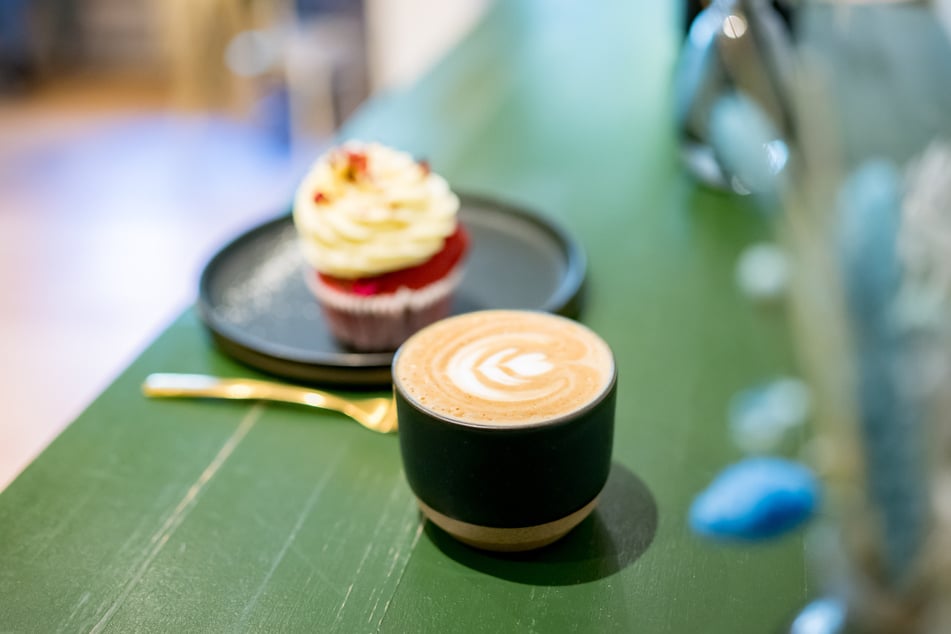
(506,422)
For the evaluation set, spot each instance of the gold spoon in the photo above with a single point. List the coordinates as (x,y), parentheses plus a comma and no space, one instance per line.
(377,414)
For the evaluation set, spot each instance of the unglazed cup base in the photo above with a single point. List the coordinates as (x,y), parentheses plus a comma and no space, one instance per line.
(508,539)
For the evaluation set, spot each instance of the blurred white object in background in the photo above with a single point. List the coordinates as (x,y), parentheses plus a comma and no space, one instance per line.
(406,37)
(762,272)
(943,10)
(324,66)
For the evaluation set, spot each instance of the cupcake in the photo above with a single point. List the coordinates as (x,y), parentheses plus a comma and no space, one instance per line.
(380,231)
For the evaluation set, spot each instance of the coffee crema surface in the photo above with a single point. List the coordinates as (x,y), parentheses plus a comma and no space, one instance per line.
(502,367)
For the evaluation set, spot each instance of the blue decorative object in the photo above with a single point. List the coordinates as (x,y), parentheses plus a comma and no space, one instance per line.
(748,144)
(822,616)
(869,207)
(756,499)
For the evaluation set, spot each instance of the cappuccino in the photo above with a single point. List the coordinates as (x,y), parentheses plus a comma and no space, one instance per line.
(506,425)
(503,367)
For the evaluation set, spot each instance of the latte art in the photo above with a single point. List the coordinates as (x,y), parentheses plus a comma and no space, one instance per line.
(483,370)
(503,367)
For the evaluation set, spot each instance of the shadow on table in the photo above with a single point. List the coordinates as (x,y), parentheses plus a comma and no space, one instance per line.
(609,540)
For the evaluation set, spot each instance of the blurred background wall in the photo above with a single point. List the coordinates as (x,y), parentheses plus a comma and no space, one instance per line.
(228,55)
(136,137)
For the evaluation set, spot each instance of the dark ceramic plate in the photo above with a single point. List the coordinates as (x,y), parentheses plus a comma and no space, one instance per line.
(255,302)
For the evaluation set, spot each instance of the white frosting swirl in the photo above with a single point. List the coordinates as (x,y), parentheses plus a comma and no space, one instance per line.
(365,209)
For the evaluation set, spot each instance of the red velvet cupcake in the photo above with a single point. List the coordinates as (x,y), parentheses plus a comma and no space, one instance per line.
(381,233)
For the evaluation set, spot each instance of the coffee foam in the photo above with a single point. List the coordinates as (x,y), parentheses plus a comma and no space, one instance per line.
(504,367)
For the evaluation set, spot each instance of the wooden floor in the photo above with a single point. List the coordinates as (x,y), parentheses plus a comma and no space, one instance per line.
(109,206)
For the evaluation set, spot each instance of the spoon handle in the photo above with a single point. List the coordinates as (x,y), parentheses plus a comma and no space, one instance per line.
(164,385)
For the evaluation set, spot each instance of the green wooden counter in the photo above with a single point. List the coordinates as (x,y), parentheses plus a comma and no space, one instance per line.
(207,516)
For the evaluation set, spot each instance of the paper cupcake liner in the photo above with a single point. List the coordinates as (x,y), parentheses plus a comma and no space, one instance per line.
(380,323)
